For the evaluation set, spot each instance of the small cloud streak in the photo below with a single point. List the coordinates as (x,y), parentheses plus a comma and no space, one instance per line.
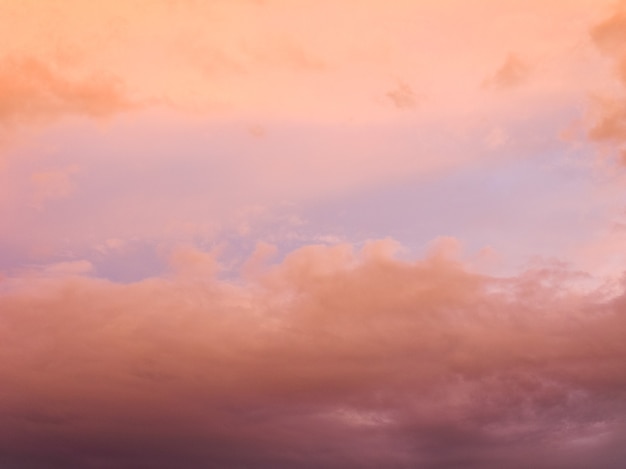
(197,289)
(33,91)
(512,73)
(50,185)
(402,96)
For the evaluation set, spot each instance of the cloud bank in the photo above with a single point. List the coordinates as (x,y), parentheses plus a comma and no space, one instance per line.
(331,358)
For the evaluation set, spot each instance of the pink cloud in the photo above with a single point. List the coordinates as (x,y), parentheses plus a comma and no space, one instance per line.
(32,90)
(610,119)
(513,72)
(337,359)
(402,96)
(271,60)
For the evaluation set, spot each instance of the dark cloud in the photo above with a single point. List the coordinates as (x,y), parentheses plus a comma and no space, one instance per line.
(329,359)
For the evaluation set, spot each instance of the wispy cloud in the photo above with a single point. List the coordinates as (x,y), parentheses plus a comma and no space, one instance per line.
(31,90)
(610,117)
(513,72)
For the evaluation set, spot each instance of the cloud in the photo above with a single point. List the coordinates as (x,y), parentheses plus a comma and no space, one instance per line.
(61,269)
(186,260)
(402,96)
(55,184)
(269,60)
(332,358)
(513,72)
(32,90)
(610,34)
(608,111)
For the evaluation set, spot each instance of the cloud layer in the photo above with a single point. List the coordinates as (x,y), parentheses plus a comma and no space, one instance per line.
(331,358)
(610,120)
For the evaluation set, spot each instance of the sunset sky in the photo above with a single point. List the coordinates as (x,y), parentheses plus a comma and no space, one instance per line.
(312,234)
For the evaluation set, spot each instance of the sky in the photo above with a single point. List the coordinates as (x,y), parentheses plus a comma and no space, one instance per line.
(301,234)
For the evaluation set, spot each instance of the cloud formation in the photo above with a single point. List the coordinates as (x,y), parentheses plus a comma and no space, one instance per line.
(610,115)
(271,58)
(402,96)
(31,90)
(335,356)
(331,358)
(513,72)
